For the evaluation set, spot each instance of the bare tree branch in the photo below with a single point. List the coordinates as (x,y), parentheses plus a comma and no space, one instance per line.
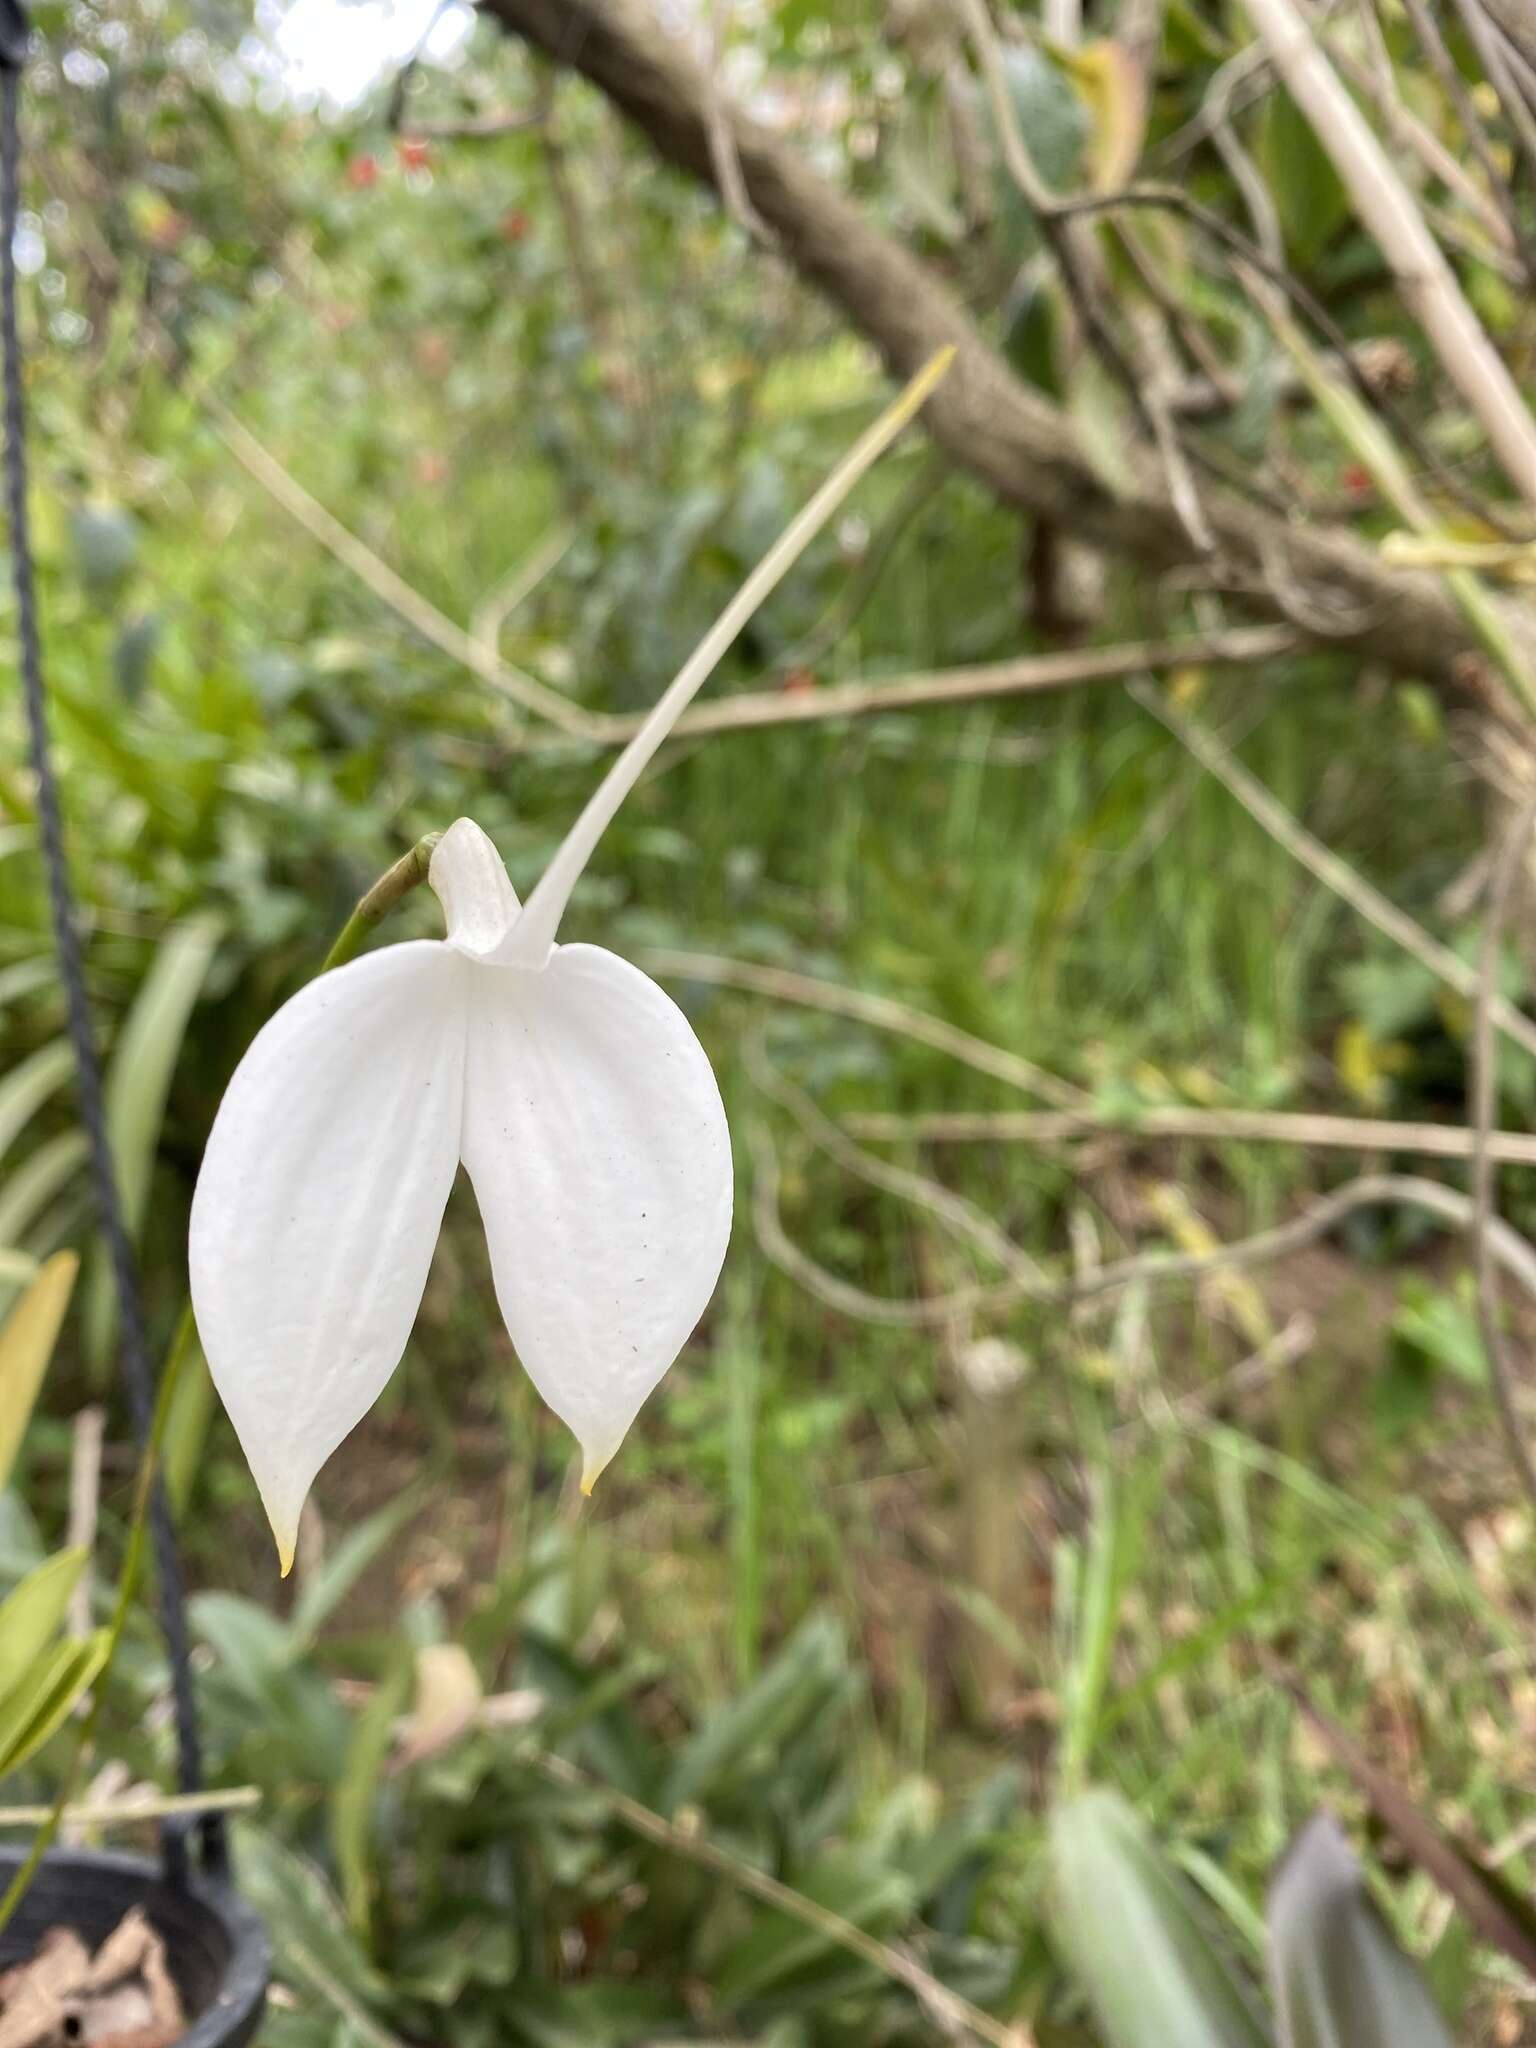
(1310,1129)
(1019,445)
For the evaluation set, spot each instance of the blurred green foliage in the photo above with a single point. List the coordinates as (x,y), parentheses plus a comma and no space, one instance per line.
(796,1625)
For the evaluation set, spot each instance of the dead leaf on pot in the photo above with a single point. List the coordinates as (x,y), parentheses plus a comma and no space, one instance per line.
(122,1997)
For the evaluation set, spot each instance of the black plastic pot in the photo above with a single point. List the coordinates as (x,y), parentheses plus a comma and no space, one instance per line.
(216,1948)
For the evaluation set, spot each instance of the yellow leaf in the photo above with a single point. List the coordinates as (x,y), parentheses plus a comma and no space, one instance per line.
(1366,1064)
(1186,686)
(1115,92)
(27,1339)
(1244,1304)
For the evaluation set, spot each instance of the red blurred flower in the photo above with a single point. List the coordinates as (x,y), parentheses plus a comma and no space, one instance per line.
(414,154)
(514,225)
(362,172)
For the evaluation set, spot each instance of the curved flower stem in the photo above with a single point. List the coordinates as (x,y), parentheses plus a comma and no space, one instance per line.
(408,873)
(535,929)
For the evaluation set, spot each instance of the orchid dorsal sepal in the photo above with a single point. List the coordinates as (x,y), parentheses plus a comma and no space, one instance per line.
(568,1085)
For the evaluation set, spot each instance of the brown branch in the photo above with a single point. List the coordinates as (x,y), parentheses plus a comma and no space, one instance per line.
(882,1013)
(1022,447)
(1313,1131)
(1152,1269)
(1031,674)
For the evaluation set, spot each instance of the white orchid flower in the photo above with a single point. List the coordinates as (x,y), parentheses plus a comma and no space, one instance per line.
(569,1086)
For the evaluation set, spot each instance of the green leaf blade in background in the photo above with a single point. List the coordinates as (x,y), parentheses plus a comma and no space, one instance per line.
(1137,1940)
(32,1613)
(39,1707)
(138,1081)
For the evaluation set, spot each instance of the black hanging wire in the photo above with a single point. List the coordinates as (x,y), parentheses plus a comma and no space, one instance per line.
(138,1373)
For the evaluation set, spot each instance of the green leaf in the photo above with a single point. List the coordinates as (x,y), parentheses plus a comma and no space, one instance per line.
(133,657)
(23,977)
(1050,113)
(1340,1980)
(852,1885)
(1443,1326)
(1307,191)
(27,1338)
(1113,1546)
(599,2014)
(1136,1938)
(1106,426)
(801,1679)
(29,1190)
(36,1709)
(186,1427)
(252,1646)
(31,1614)
(352,1802)
(322,1594)
(106,542)
(27,1087)
(138,1080)
(308,1931)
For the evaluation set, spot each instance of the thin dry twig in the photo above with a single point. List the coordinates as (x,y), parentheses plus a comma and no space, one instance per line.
(1448,71)
(959,1216)
(1334,873)
(1372,1190)
(517,586)
(1380,87)
(1314,1131)
(137,1808)
(1284,1351)
(84,1500)
(477,127)
(1485,1081)
(722,137)
(386,584)
(1250,262)
(754,710)
(328,1986)
(883,1013)
(942,2005)
(1506,68)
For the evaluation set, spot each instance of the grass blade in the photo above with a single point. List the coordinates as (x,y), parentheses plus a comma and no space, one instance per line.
(138,1080)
